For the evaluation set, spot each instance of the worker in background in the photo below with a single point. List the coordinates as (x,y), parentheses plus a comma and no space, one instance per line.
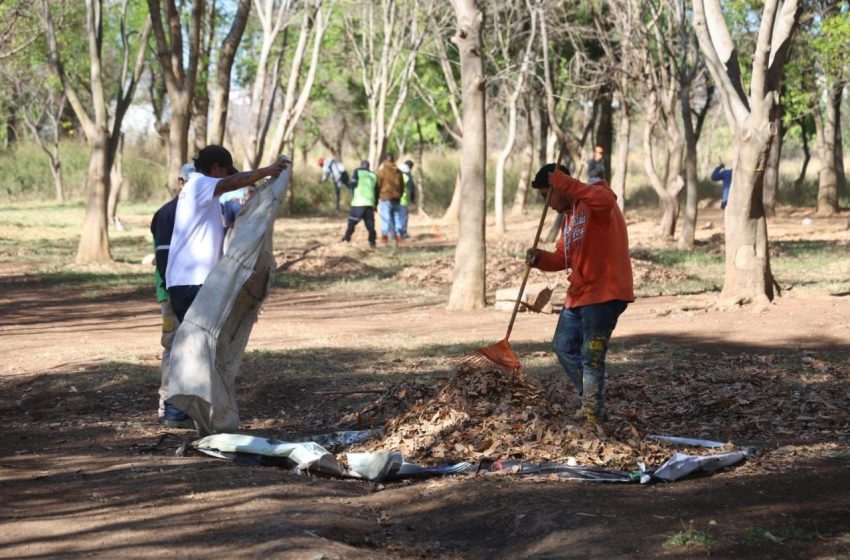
(720,173)
(334,170)
(391,189)
(407,198)
(364,185)
(596,165)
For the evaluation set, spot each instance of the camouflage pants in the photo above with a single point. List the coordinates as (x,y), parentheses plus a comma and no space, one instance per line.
(581,343)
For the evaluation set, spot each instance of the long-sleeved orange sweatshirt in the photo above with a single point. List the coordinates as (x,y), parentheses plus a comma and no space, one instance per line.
(594,245)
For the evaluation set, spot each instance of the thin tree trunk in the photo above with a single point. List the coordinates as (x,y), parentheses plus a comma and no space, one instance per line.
(226,55)
(469,278)
(807,155)
(825,125)
(621,162)
(499,191)
(179,80)
(840,174)
(453,211)
(771,171)
(94,239)
(116,183)
(605,128)
(521,196)
(420,175)
(178,138)
(748,277)
(686,240)
(555,229)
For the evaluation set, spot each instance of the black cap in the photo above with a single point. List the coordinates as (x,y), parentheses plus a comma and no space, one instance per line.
(409,163)
(214,154)
(364,164)
(541,180)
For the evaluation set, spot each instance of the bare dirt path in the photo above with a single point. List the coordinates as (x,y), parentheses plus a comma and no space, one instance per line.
(75,485)
(78,384)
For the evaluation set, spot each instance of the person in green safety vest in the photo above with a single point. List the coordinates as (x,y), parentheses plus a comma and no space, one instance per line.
(364,200)
(409,196)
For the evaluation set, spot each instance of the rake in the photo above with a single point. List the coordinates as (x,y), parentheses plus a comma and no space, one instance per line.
(500,356)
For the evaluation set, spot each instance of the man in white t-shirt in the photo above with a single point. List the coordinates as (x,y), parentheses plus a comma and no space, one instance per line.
(196,244)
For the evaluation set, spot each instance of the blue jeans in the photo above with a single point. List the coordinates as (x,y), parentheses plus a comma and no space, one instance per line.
(401,221)
(581,342)
(389,209)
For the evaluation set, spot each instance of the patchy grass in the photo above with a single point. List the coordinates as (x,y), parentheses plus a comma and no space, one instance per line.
(688,538)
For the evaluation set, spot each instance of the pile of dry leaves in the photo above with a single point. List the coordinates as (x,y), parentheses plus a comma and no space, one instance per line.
(502,272)
(326,260)
(488,414)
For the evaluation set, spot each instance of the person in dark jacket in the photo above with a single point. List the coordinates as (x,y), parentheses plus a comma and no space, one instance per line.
(162,226)
(596,165)
(720,173)
(390,191)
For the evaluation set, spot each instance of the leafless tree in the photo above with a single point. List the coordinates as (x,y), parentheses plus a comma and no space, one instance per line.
(515,23)
(469,281)
(750,113)
(386,42)
(101,138)
(224,67)
(179,73)
(299,83)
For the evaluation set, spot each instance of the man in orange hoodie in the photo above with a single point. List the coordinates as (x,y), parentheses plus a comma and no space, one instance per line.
(594,251)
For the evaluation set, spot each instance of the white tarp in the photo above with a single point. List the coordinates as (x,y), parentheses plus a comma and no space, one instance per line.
(308,456)
(210,343)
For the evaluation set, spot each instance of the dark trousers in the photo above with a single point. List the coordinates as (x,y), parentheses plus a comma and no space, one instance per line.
(365,213)
(581,343)
(181,298)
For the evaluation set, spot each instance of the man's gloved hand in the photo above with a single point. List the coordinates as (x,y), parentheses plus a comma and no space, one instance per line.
(541,180)
(532,257)
(169,324)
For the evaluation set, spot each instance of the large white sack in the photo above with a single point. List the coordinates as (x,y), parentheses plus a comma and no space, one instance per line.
(210,343)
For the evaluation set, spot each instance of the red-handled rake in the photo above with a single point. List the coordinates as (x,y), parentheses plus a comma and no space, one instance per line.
(500,356)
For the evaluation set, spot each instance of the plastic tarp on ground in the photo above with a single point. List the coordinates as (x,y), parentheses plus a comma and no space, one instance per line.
(210,343)
(390,465)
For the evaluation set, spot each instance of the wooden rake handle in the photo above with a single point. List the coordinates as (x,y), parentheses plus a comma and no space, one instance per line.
(533,247)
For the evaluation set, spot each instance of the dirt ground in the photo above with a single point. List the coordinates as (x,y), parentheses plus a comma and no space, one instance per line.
(78,397)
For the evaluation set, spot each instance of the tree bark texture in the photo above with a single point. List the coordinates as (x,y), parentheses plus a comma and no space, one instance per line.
(750,113)
(621,162)
(771,171)
(686,239)
(179,80)
(469,281)
(224,67)
(826,124)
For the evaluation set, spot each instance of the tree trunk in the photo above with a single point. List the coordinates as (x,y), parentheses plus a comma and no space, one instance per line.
(605,128)
(521,195)
(499,191)
(825,125)
(807,155)
(621,163)
(469,280)
(771,171)
(840,174)
(686,240)
(420,175)
(670,183)
(116,184)
(555,229)
(453,211)
(178,139)
(58,184)
(226,55)
(94,240)
(750,112)
(748,277)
